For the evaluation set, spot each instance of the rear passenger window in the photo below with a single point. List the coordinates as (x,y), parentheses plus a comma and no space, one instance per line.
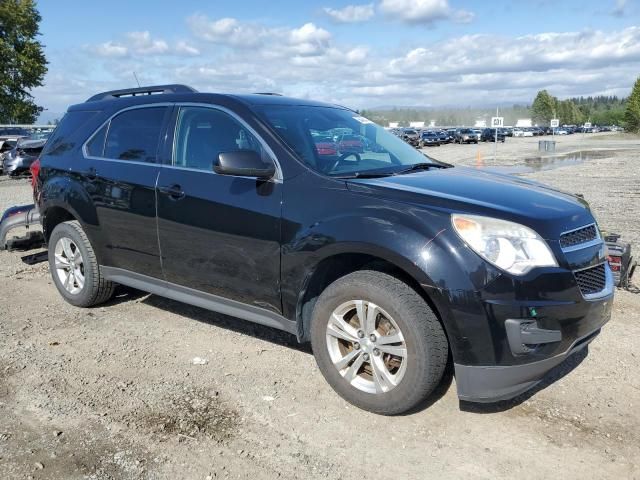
(135,134)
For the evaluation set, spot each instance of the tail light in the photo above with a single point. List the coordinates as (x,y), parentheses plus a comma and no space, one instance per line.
(35,170)
(615,263)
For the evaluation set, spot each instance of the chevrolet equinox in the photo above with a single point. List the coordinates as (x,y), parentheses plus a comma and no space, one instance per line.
(389,262)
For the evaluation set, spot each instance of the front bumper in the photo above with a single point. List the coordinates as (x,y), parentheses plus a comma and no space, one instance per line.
(487,384)
(534,346)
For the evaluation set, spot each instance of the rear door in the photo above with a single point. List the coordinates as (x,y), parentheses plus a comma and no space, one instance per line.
(121,168)
(219,234)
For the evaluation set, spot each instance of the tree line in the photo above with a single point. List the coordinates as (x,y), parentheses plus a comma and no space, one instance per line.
(598,110)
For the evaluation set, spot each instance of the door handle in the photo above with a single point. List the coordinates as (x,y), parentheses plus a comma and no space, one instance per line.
(173,191)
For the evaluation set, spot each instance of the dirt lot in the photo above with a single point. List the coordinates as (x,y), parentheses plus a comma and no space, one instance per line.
(111,392)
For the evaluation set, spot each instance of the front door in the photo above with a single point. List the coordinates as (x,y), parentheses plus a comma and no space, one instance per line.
(218,234)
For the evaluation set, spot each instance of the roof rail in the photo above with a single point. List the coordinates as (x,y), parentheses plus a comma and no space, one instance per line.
(134,92)
(268,93)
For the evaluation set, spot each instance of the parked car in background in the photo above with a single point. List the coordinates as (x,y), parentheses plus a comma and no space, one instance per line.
(429,138)
(560,131)
(466,135)
(393,266)
(5,147)
(19,159)
(443,137)
(350,144)
(411,136)
(9,136)
(489,135)
(522,132)
(13,133)
(325,145)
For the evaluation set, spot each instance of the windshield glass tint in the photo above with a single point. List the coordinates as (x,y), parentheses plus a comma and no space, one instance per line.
(336,141)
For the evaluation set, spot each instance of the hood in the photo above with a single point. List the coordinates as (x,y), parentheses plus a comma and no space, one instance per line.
(459,189)
(32,143)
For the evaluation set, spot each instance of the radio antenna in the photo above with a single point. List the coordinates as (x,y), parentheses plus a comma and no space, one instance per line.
(136,77)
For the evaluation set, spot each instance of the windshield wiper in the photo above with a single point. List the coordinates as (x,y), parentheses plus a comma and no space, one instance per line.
(421,166)
(365,175)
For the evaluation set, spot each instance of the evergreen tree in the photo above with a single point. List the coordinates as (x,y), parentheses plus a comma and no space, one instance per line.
(22,61)
(632,112)
(543,108)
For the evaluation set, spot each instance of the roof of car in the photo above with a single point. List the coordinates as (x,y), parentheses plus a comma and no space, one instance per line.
(182,93)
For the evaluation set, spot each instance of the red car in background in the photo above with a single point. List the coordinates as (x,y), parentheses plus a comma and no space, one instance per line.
(350,144)
(325,146)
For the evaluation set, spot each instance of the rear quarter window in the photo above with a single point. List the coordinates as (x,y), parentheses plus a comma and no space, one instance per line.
(134,135)
(60,140)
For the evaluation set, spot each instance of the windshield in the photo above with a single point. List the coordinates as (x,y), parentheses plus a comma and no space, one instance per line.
(361,146)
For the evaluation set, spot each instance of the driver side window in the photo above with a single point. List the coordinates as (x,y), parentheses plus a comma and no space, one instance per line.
(203,133)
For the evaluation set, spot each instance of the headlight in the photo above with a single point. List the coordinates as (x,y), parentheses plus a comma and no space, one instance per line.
(509,246)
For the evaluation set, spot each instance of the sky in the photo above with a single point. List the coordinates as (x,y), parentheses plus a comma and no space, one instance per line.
(416,53)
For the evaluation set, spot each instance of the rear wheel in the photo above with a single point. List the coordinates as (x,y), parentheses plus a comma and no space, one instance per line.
(378,343)
(74,267)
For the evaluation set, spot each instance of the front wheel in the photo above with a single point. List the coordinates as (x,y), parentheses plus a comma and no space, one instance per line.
(377,342)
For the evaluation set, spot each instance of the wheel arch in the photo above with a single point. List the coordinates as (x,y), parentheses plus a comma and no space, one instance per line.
(63,199)
(53,216)
(338,264)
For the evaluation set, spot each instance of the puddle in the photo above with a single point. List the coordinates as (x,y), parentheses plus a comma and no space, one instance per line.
(549,162)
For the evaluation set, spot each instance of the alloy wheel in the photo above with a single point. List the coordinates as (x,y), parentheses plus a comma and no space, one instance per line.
(69,265)
(366,346)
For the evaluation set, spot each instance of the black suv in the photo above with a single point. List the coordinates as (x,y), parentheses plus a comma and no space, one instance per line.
(387,261)
(489,135)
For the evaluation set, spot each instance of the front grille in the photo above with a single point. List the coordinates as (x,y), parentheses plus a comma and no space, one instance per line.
(576,237)
(591,280)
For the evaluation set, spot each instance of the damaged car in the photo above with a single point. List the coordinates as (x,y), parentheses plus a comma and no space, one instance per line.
(19,159)
(390,263)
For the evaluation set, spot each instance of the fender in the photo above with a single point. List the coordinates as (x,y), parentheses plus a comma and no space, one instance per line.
(420,242)
(64,192)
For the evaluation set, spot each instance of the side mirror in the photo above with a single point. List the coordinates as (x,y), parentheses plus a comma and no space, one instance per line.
(243,163)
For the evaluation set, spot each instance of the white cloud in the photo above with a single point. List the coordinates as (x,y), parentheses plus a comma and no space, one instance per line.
(227,31)
(134,43)
(526,54)
(111,49)
(351,13)
(185,48)
(307,61)
(423,11)
(141,43)
(305,41)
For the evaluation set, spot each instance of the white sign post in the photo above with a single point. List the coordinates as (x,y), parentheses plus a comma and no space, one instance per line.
(496,123)
(555,123)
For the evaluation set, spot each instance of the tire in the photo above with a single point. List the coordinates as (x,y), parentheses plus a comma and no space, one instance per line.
(94,289)
(424,341)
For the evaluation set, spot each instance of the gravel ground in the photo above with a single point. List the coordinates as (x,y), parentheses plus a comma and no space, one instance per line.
(112,392)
